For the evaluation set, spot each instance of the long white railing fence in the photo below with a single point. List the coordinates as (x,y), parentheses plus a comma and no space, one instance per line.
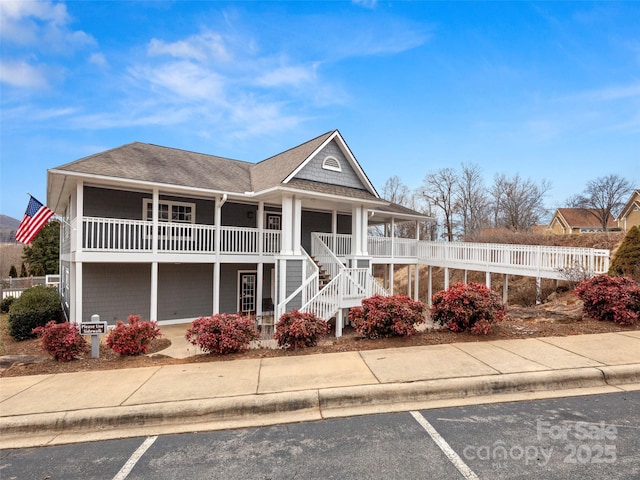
(120,235)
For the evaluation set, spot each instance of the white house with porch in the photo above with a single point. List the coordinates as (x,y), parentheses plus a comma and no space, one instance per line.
(172,235)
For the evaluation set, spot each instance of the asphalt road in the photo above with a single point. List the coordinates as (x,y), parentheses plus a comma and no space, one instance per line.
(581,437)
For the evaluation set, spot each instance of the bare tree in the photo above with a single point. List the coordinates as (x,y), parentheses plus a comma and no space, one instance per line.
(605,195)
(439,190)
(395,191)
(471,200)
(518,203)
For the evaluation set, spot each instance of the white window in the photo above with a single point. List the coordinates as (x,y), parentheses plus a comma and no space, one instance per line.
(331,163)
(168,211)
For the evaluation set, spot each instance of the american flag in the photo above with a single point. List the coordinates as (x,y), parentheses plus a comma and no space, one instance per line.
(34,219)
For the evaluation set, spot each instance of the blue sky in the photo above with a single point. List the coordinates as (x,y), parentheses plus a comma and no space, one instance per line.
(547,90)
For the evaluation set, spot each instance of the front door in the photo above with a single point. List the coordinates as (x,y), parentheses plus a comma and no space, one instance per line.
(247,292)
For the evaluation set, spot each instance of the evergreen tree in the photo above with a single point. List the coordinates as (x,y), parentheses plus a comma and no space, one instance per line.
(43,253)
(23,271)
(626,261)
(13,273)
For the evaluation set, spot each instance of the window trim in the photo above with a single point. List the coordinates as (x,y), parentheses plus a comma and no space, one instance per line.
(170,204)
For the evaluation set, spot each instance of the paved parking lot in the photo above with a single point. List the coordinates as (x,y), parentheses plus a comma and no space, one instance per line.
(588,437)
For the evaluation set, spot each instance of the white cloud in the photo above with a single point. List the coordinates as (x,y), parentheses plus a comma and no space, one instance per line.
(208,46)
(21,74)
(288,76)
(98,59)
(41,24)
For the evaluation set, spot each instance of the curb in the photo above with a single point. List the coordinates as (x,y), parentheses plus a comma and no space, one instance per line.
(305,405)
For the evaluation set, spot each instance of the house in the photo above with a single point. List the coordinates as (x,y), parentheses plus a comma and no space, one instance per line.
(630,213)
(566,221)
(173,235)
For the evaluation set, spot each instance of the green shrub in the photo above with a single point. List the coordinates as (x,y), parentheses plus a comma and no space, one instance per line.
(626,261)
(34,308)
(6,303)
(389,316)
(62,340)
(299,330)
(467,307)
(222,333)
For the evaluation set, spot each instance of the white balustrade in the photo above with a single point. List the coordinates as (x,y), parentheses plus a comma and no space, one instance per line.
(120,235)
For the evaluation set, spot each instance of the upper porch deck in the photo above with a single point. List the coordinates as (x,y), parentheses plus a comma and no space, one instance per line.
(136,236)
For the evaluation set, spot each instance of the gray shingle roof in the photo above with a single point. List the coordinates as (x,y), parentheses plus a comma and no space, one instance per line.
(163,165)
(152,163)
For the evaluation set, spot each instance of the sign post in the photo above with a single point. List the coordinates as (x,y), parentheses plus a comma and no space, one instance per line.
(95,328)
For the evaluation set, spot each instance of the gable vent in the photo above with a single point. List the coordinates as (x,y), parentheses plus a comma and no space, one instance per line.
(331,163)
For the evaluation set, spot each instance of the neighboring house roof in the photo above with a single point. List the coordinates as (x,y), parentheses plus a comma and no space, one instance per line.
(581,218)
(632,204)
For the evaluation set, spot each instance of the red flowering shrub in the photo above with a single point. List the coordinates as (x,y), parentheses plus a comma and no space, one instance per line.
(62,340)
(298,330)
(222,334)
(615,299)
(133,337)
(390,316)
(468,306)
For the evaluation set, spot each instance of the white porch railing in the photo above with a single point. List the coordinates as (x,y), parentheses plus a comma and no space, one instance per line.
(339,244)
(324,256)
(119,235)
(528,260)
(307,290)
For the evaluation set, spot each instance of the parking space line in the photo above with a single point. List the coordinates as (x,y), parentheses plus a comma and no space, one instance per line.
(133,459)
(462,467)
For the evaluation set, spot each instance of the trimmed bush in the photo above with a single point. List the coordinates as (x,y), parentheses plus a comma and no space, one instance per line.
(133,337)
(222,334)
(626,261)
(299,330)
(468,307)
(614,299)
(6,304)
(389,316)
(62,340)
(34,308)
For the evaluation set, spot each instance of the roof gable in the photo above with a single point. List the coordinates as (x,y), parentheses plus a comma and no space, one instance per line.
(632,203)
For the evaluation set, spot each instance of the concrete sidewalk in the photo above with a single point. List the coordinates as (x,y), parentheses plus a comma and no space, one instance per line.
(85,406)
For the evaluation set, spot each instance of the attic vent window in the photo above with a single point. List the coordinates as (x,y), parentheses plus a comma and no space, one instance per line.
(331,163)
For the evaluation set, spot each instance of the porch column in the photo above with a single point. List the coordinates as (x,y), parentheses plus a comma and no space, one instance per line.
(356,230)
(409,281)
(216,265)
(391,271)
(446,278)
(79,216)
(153,307)
(297,226)
(260,226)
(429,285)
(259,280)
(488,279)
(76,271)
(76,304)
(154,218)
(505,289)
(334,229)
(416,280)
(287,225)
(465,276)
